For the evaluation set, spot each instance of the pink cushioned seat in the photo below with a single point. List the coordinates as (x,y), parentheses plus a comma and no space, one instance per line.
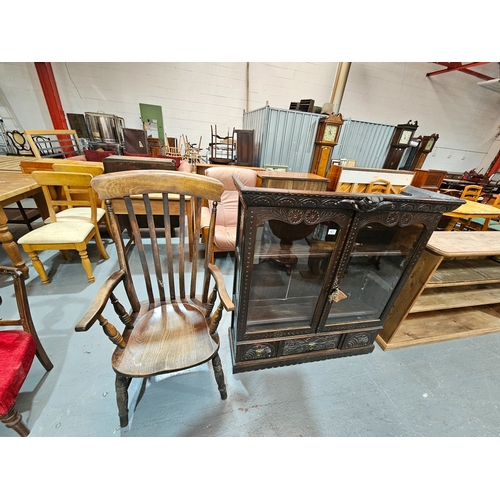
(227,209)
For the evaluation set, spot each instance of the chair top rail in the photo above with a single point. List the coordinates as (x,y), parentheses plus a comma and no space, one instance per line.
(126,183)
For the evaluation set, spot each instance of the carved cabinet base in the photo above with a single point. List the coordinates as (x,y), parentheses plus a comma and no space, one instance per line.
(250,357)
(316,273)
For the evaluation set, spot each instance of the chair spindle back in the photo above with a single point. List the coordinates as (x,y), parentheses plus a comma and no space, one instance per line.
(148,193)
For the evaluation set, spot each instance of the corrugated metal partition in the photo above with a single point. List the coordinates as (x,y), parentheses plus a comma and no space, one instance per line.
(365,142)
(283,137)
(256,121)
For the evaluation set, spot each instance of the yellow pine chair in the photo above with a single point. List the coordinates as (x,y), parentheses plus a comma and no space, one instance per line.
(379,186)
(68,196)
(471,193)
(94,171)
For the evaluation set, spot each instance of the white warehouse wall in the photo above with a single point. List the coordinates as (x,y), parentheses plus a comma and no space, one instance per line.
(466,116)
(194,96)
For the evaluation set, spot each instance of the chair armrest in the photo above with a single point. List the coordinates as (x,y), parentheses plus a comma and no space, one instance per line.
(100,301)
(221,287)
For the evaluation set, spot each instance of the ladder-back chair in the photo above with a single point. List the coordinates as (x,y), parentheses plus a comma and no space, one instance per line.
(471,193)
(172,328)
(379,186)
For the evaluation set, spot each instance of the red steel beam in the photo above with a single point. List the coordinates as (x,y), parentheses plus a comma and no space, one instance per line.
(460,67)
(477,75)
(54,105)
(494,166)
(51,94)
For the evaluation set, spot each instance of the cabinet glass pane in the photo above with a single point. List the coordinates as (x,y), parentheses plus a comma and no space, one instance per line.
(288,274)
(379,258)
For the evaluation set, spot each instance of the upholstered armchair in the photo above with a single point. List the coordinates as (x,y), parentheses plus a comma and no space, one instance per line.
(227,209)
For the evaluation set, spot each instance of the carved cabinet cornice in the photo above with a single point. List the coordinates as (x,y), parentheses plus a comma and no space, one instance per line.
(316,273)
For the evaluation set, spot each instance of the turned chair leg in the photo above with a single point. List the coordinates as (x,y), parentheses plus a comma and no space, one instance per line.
(14,420)
(37,264)
(219,376)
(121,386)
(86,265)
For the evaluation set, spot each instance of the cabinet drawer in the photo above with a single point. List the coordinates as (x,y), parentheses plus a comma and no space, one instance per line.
(252,352)
(359,339)
(299,346)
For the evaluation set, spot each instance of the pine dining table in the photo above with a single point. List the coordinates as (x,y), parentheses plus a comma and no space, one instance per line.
(470,210)
(16,186)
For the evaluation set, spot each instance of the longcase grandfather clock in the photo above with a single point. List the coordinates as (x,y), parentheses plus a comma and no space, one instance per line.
(427,143)
(327,138)
(403,134)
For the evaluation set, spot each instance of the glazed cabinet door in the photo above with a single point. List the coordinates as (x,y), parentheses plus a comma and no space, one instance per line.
(380,252)
(287,262)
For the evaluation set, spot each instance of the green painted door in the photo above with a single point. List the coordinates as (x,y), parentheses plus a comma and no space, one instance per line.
(152,117)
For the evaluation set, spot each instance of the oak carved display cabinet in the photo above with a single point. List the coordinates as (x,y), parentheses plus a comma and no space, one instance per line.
(316,273)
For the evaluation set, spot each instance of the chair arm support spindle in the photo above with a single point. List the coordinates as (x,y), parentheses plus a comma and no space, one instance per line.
(113,334)
(120,310)
(211,302)
(100,301)
(214,322)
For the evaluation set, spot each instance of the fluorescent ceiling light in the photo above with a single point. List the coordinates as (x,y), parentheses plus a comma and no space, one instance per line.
(491,84)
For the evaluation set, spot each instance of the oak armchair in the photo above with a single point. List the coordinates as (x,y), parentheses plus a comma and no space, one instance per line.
(171,328)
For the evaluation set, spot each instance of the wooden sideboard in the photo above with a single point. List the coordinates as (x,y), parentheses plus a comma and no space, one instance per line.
(356,180)
(292,180)
(453,292)
(120,163)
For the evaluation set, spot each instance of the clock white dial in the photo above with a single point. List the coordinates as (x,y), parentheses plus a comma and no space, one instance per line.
(405,137)
(330,133)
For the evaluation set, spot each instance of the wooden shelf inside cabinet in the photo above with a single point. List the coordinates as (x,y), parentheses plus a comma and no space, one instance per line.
(453,292)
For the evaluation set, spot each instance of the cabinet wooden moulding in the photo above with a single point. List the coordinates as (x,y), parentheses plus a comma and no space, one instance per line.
(317,273)
(453,292)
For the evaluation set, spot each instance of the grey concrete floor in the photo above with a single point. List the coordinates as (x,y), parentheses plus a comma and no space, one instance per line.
(448,389)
